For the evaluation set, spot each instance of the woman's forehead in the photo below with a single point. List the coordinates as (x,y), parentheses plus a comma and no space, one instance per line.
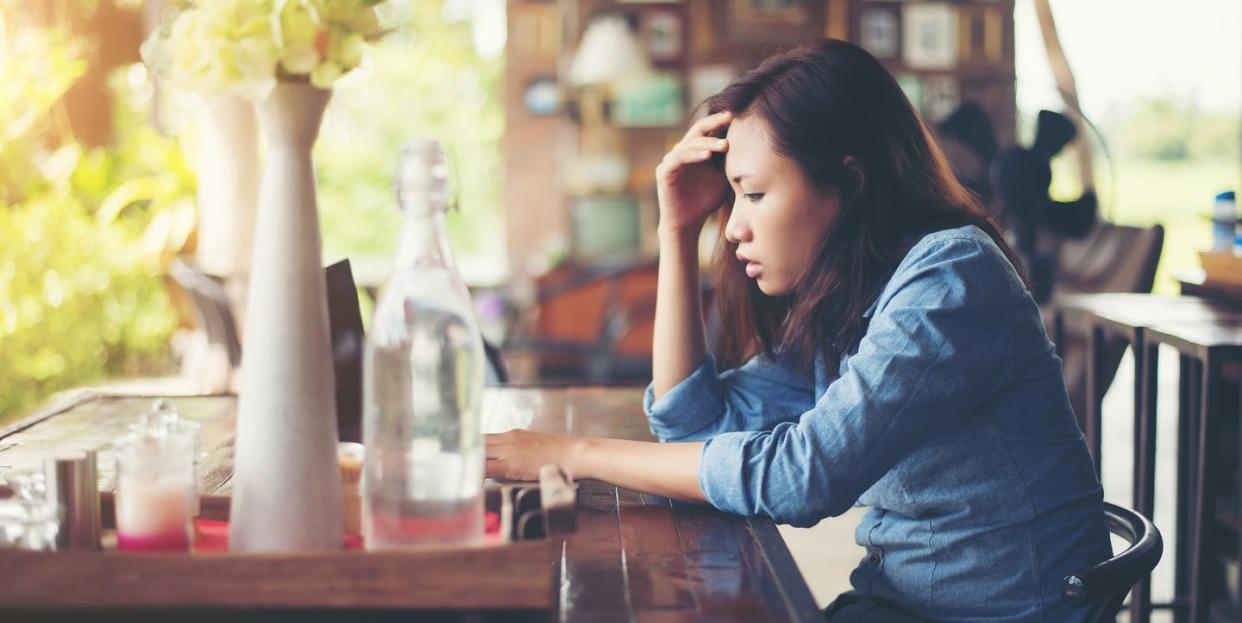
(750,148)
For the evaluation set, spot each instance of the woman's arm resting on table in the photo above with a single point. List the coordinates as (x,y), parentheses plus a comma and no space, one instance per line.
(670,470)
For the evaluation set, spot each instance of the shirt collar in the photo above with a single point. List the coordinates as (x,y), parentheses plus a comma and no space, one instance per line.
(875,303)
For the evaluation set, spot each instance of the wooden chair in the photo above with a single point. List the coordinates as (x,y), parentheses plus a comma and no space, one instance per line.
(1114,258)
(1104,587)
(214,314)
(591,324)
(211,306)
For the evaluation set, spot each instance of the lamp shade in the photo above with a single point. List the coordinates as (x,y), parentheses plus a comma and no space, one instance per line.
(609,52)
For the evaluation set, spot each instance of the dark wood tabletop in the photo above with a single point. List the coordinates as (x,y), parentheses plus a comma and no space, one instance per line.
(634,557)
(1142,310)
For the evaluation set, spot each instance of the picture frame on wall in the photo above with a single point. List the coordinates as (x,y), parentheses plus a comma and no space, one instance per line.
(912,86)
(981,35)
(941,96)
(879,32)
(535,31)
(771,21)
(708,80)
(654,101)
(662,34)
(929,36)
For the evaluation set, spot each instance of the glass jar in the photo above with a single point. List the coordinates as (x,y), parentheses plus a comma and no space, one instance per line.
(155,478)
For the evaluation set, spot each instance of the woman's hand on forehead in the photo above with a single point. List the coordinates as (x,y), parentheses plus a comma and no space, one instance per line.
(688,184)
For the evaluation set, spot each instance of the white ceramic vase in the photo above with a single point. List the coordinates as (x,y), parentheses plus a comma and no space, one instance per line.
(286,483)
(228,195)
(228,184)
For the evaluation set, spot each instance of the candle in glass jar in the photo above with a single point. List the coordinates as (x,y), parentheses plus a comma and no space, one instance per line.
(153,514)
(155,479)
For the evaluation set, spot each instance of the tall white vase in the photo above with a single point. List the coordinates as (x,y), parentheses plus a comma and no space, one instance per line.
(228,188)
(228,196)
(286,483)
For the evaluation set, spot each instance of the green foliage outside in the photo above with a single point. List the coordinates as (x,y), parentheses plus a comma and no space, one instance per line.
(1168,162)
(425,81)
(85,233)
(1164,129)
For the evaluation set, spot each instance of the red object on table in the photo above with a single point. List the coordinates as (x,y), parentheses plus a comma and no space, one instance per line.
(159,543)
(213,536)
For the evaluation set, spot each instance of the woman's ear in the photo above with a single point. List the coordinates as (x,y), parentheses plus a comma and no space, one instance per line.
(853,168)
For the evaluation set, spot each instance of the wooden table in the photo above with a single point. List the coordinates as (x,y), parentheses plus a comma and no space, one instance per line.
(1204,332)
(1203,402)
(634,557)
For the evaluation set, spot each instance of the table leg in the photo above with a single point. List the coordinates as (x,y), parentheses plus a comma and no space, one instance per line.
(1185,481)
(1202,549)
(1146,364)
(1237,500)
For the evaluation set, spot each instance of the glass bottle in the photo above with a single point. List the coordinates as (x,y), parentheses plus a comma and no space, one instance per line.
(423,379)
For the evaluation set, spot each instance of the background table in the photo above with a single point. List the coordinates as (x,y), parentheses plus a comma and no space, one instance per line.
(635,557)
(1205,334)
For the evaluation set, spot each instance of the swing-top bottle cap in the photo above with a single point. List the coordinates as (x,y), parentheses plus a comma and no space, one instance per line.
(422,183)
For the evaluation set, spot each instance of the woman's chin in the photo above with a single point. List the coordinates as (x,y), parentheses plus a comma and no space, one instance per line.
(769,287)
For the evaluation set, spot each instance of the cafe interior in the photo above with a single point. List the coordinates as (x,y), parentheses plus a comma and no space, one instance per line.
(206,209)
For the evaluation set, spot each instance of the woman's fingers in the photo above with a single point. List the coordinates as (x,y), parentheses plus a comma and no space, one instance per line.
(709,143)
(710,123)
(675,159)
(503,456)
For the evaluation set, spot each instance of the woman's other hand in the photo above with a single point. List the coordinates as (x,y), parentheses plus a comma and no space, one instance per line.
(518,454)
(689,187)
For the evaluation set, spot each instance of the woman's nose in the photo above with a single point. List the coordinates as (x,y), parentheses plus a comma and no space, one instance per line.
(737,229)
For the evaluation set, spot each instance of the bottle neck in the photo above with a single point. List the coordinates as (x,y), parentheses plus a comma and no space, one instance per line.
(424,240)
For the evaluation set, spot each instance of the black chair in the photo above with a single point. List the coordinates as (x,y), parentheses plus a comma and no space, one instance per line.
(1104,587)
(345,329)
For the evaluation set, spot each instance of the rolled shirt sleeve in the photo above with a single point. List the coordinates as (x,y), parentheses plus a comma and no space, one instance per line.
(935,350)
(755,396)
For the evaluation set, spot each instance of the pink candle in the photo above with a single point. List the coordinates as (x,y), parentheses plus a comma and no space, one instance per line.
(155,489)
(154,514)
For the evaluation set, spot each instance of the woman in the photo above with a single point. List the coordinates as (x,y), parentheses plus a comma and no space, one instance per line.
(880,349)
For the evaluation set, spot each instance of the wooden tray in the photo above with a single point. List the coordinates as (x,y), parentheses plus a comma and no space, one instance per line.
(516,568)
(1221,268)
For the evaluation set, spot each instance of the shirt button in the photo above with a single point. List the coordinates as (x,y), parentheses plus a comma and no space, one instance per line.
(873,556)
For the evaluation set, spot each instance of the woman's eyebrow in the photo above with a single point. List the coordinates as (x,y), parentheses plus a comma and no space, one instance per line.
(738,178)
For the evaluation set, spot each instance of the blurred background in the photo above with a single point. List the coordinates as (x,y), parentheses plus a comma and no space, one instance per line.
(555,113)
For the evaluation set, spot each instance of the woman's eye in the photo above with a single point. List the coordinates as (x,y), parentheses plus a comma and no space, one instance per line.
(753,197)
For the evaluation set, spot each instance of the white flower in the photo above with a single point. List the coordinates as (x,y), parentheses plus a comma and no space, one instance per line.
(245,46)
(325,74)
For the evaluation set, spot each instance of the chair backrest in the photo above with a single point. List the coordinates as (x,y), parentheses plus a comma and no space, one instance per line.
(1113,258)
(348,347)
(211,306)
(215,315)
(496,372)
(1104,587)
(345,329)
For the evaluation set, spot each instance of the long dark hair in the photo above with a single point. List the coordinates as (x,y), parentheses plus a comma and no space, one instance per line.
(824,103)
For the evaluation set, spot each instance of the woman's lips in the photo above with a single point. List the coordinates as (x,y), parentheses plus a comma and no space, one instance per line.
(752,267)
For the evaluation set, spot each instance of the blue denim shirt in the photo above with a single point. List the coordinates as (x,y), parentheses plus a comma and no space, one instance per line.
(950,421)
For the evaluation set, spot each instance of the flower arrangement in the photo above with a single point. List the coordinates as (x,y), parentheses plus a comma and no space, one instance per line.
(246,46)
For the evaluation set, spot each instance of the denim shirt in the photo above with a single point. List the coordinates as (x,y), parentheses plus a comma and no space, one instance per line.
(950,421)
